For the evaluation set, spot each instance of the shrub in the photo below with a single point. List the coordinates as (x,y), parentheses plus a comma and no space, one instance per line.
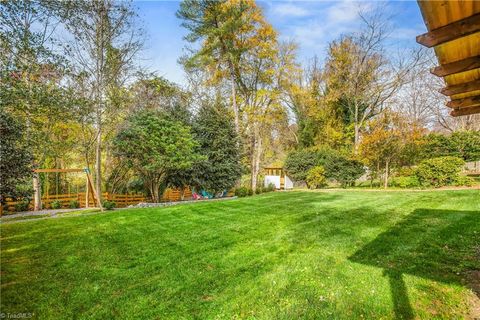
(271,187)
(338,167)
(467,144)
(316,177)
(22,205)
(109,205)
(74,204)
(258,190)
(56,204)
(405,182)
(241,192)
(244,192)
(463,181)
(298,163)
(461,144)
(439,171)
(405,171)
(343,170)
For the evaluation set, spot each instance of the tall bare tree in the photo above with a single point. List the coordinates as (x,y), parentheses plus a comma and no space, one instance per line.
(360,75)
(421,101)
(106,38)
(419,96)
(263,80)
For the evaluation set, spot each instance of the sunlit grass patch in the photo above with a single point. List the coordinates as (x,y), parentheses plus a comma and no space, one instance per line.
(285,255)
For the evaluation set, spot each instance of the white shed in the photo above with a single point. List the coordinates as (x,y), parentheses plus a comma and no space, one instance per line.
(278,177)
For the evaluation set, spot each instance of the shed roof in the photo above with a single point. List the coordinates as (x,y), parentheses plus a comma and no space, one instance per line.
(454,33)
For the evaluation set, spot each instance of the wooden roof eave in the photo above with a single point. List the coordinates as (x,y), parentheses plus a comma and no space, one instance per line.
(454,32)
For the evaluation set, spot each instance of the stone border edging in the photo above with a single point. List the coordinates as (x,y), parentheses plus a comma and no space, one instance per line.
(173,203)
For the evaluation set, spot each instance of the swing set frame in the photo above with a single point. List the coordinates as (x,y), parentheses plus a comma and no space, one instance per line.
(37,197)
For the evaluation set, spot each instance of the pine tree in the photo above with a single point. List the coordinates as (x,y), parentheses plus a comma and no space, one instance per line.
(215,133)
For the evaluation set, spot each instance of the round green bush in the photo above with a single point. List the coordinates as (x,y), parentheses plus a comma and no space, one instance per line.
(463,181)
(438,172)
(74,204)
(22,206)
(405,182)
(316,177)
(344,170)
(406,171)
(299,162)
(241,192)
(109,205)
(258,190)
(56,204)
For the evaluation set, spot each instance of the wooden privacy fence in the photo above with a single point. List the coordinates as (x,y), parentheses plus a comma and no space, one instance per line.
(121,200)
(176,195)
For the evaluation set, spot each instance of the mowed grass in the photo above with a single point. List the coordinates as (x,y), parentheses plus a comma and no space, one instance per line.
(283,255)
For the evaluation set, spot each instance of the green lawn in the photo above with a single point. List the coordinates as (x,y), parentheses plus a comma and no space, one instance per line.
(291,255)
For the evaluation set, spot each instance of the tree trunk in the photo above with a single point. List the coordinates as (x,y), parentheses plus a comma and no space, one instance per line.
(385,182)
(156,197)
(357,130)
(108,166)
(256,156)
(356,142)
(154,192)
(377,174)
(253,177)
(98,162)
(99,77)
(155,183)
(234,102)
(37,196)
(87,194)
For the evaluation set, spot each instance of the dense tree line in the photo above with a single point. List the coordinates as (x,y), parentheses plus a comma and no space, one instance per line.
(248,103)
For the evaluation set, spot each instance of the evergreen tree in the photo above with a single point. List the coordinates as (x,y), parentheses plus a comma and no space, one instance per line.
(15,158)
(153,145)
(215,133)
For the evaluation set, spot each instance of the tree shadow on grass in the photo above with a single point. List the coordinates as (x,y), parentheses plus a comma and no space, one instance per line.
(439,245)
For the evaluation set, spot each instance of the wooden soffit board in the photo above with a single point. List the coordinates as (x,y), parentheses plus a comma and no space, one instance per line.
(454,33)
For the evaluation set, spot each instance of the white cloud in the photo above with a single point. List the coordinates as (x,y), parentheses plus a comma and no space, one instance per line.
(327,22)
(289,10)
(343,11)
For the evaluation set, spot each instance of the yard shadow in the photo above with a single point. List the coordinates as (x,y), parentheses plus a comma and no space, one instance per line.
(439,245)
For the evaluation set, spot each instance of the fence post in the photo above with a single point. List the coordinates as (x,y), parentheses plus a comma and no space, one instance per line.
(87,192)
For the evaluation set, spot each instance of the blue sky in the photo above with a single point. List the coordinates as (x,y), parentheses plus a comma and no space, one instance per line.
(311,24)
